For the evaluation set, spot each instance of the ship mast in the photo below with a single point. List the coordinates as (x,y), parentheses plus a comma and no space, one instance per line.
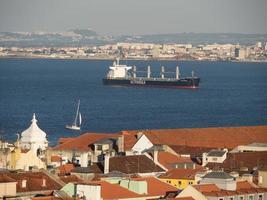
(77,113)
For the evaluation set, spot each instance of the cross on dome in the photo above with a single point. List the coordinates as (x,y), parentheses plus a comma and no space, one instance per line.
(34,120)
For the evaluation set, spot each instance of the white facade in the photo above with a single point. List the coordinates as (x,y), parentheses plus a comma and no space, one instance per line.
(89,192)
(254,147)
(34,138)
(142,144)
(224,184)
(190,191)
(209,158)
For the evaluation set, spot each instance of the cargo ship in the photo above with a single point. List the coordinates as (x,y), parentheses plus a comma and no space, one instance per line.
(124,75)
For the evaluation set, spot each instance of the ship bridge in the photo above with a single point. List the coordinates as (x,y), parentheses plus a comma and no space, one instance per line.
(118,71)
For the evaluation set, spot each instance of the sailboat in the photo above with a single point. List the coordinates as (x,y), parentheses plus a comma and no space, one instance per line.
(76,125)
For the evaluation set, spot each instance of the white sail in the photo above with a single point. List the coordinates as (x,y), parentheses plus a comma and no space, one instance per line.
(75,125)
(80,119)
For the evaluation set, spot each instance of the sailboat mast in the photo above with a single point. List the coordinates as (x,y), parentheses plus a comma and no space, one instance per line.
(77,113)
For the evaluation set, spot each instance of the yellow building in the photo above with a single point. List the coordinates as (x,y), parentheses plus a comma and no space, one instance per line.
(25,159)
(15,155)
(181,178)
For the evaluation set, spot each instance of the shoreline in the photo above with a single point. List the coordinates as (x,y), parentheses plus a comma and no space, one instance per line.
(128,59)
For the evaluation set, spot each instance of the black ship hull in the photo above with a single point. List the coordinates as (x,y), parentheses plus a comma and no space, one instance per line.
(188,82)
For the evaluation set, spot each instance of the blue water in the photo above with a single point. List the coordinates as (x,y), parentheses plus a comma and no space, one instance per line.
(230,94)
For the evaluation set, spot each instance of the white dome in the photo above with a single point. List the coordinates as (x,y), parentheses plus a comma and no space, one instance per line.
(33,133)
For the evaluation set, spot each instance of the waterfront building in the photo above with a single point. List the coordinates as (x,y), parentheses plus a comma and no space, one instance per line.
(258,45)
(34,138)
(241,53)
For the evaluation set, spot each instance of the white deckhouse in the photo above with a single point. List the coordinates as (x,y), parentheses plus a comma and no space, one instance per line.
(34,138)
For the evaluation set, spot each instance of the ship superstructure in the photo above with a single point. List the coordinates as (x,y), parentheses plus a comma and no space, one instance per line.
(125,75)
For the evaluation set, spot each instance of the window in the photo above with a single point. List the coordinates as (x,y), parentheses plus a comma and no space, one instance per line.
(221,199)
(24,183)
(260,197)
(241,198)
(214,159)
(260,179)
(250,197)
(180,182)
(190,182)
(231,198)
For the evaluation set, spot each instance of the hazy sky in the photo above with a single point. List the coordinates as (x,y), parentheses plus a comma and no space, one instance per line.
(135,16)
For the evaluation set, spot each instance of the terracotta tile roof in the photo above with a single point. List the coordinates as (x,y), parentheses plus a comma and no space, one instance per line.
(129,139)
(65,169)
(34,181)
(83,142)
(156,187)
(219,193)
(243,185)
(207,188)
(221,137)
(71,179)
(211,190)
(6,179)
(51,196)
(188,150)
(114,191)
(183,198)
(95,168)
(46,198)
(223,193)
(181,174)
(55,158)
(133,164)
(63,140)
(235,161)
(167,159)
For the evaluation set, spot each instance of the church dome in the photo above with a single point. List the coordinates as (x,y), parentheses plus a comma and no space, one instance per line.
(33,133)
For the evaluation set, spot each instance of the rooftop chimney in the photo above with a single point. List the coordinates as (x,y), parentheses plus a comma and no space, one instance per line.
(139,134)
(155,156)
(106,164)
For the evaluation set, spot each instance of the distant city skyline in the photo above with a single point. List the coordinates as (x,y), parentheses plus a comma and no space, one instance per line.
(121,17)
